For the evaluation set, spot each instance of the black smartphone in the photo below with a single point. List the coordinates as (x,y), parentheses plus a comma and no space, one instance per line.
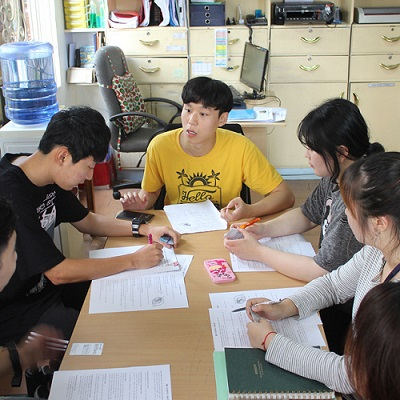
(125,214)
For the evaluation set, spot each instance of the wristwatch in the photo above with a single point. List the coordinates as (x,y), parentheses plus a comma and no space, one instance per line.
(136,222)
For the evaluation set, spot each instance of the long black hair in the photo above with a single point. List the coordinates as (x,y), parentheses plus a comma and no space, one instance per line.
(335,123)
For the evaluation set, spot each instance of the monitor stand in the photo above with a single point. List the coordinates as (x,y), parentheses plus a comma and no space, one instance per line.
(253,96)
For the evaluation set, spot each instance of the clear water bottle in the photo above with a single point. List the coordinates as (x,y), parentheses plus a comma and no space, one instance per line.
(29,87)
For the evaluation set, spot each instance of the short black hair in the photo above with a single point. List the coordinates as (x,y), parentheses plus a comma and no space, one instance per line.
(7,223)
(82,130)
(208,92)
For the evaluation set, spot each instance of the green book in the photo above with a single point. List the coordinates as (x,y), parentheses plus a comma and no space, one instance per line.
(250,375)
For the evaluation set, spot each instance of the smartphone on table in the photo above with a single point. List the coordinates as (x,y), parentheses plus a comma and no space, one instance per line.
(219,270)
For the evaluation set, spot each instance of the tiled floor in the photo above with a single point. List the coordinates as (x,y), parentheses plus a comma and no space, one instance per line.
(106,205)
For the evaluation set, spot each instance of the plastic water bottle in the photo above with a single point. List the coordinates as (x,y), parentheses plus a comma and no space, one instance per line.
(29,87)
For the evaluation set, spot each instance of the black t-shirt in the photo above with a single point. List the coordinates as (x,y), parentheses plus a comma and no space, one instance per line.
(39,211)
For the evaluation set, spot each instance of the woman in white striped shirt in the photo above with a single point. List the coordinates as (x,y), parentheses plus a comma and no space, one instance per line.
(370,188)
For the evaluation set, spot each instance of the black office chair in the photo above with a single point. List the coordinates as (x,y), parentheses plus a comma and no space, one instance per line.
(132,127)
(159,203)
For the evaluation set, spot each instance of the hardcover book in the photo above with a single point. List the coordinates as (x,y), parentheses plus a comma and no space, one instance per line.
(250,375)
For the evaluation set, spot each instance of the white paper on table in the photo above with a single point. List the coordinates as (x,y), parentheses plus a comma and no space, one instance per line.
(148,292)
(184,262)
(295,244)
(195,217)
(229,329)
(169,262)
(131,383)
(233,300)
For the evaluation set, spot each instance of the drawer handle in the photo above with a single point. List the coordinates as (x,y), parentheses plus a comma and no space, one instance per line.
(390,39)
(149,70)
(233,41)
(309,69)
(310,41)
(148,42)
(234,68)
(389,67)
(356,99)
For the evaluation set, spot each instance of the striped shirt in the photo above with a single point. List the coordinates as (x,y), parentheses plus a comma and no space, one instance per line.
(353,279)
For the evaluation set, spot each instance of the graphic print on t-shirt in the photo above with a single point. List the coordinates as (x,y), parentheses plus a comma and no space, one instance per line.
(327,217)
(47,213)
(197,187)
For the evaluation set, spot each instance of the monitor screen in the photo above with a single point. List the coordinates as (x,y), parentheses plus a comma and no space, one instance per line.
(254,65)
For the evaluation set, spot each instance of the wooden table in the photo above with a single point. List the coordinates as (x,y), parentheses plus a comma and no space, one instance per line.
(179,337)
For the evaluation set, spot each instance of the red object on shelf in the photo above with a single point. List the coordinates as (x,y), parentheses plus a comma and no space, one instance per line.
(105,173)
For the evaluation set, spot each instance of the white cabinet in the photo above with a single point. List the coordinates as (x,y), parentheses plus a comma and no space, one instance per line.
(375,79)
(307,66)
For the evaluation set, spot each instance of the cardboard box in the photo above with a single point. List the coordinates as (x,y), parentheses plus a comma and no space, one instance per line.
(80,75)
(105,174)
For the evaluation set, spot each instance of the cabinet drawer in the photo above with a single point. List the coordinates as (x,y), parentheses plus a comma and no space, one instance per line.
(206,66)
(310,40)
(150,42)
(308,69)
(379,67)
(158,70)
(202,40)
(375,39)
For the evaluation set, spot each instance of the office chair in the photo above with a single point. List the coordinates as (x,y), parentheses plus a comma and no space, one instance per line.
(159,203)
(132,127)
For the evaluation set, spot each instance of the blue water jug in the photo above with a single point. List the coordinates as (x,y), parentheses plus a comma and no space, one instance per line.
(29,87)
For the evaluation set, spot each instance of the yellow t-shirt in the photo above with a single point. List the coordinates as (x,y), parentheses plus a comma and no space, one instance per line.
(217,176)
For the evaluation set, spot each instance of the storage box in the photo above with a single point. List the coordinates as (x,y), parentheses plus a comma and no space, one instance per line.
(207,14)
(80,75)
(105,174)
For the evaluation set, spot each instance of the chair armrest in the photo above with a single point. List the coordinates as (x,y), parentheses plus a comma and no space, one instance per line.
(119,116)
(117,188)
(177,106)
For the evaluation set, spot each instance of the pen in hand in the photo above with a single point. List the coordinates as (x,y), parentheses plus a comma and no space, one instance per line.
(263,302)
(235,234)
(150,238)
(246,224)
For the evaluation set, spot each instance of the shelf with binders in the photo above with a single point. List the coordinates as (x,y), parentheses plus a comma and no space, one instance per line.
(166,13)
(81,48)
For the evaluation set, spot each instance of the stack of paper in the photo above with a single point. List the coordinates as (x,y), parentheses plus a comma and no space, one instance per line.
(123,19)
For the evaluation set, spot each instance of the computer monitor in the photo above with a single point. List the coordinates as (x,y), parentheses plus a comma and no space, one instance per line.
(254,65)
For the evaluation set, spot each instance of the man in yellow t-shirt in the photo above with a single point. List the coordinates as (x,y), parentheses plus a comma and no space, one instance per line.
(201,161)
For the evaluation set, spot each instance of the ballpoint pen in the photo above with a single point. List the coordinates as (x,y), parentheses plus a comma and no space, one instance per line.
(150,238)
(263,302)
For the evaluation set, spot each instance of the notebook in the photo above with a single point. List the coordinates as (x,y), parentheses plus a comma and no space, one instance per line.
(249,374)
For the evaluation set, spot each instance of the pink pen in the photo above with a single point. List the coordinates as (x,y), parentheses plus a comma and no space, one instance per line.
(150,238)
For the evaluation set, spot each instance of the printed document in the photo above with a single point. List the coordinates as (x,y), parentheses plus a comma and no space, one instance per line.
(118,293)
(229,328)
(195,217)
(131,383)
(169,262)
(295,244)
